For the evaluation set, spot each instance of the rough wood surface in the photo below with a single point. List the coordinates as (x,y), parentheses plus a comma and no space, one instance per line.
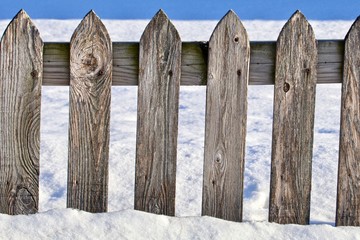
(225,121)
(21,56)
(194,63)
(90,90)
(294,105)
(348,199)
(157,121)
(56,64)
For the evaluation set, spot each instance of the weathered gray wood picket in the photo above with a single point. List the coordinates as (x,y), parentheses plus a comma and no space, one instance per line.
(293,124)
(89,134)
(159,64)
(20,116)
(157,121)
(226,106)
(348,202)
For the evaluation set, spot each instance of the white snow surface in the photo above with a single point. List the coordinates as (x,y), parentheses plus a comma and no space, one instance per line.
(54,221)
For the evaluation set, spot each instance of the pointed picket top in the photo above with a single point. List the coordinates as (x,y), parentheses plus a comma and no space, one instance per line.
(21,58)
(160,22)
(225,121)
(90,93)
(348,202)
(22,16)
(90,20)
(297,20)
(92,38)
(297,35)
(231,20)
(354,29)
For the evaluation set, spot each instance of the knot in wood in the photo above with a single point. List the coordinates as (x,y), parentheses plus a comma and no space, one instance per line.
(154,206)
(25,202)
(89,62)
(236,39)
(218,158)
(25,196)
(211,76)
(213,182)
(100,73)
(286,87)
(34,74)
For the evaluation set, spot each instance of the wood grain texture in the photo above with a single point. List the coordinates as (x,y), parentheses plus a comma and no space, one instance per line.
(194,63)
(90,92)
(293,123)
(348,198)
(20,88)
(225,121)
(56,64)
(157,121)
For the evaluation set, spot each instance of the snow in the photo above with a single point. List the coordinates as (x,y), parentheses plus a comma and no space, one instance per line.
(130,224)
(56,222)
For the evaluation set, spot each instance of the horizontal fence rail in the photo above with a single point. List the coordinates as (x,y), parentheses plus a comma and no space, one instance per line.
(194,63)
(90,64)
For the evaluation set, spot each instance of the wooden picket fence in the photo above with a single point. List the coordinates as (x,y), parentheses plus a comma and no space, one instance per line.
(158,64)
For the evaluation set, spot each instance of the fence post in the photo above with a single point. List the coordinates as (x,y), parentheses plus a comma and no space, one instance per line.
(348,198)
(21,67)
(225,123)
(90,92)
(157,121)
(293,124)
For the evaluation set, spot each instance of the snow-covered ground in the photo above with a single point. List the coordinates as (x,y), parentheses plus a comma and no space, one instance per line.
(56,222)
